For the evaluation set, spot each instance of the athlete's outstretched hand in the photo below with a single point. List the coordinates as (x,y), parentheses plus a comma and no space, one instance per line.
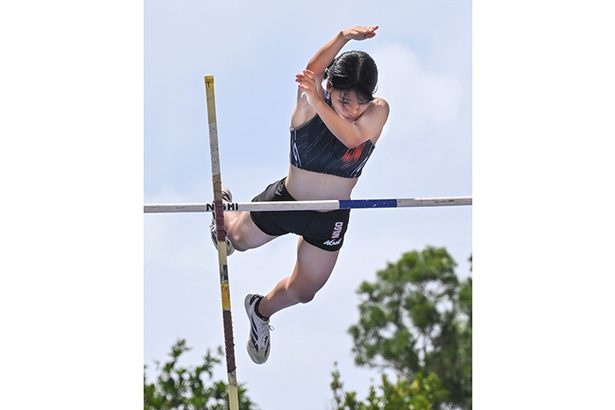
(359,32)
(309,86)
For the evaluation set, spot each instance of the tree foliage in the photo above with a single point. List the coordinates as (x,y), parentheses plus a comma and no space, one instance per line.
(419,394)
(192,388)
(416,320)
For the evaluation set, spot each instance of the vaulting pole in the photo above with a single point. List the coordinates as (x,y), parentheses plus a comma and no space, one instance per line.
(218,210)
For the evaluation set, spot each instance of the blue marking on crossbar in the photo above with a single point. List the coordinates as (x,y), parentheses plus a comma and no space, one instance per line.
(367,203)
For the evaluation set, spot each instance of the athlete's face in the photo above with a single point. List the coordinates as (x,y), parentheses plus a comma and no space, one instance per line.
(348,104)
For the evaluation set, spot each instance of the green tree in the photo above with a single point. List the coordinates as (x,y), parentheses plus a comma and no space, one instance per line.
(416,319)
(419,394)
(192,388)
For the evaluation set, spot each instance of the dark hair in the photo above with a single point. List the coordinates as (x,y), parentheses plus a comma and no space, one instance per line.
(354,70)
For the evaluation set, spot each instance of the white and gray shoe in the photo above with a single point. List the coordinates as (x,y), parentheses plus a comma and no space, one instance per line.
(226,197)
(258,342)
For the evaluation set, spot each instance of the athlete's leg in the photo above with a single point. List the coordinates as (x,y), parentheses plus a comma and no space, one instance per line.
(243,232)
(313,268)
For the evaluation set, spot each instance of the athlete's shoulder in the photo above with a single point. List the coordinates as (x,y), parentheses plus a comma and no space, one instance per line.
(380,103)
(378,110)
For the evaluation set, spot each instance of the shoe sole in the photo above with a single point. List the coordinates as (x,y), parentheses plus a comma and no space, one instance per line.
(246,305)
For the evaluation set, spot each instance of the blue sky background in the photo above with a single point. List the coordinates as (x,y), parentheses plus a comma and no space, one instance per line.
(423,51)
(72,171)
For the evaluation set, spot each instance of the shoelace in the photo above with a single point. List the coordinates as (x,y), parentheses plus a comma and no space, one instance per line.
(262,333)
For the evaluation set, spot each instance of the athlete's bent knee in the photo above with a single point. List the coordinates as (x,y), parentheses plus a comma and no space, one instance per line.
(306,298)
(299,295)
(238,243)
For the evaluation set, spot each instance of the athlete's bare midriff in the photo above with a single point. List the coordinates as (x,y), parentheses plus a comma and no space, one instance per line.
(313,186)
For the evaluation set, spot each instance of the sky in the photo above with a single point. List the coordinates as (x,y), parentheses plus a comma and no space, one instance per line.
(424,55)
(81,309)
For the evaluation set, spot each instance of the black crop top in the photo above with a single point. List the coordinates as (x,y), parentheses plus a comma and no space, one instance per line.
(314,148)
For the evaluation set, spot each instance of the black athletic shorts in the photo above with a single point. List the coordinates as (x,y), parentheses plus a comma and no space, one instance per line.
(324,230)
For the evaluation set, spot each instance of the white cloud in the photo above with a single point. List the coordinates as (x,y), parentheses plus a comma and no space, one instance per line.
(419,97)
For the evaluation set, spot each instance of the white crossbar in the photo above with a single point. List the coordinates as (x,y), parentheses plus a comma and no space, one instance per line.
(328,205)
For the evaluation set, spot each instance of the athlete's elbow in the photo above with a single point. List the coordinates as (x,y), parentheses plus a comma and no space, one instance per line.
(350,139)
(353,139)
